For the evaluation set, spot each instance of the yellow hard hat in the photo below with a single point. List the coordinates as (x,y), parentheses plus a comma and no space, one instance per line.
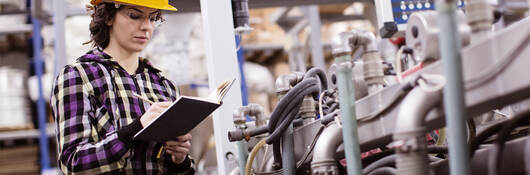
(156,4)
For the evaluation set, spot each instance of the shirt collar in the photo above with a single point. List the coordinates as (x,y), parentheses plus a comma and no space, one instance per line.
(97,55)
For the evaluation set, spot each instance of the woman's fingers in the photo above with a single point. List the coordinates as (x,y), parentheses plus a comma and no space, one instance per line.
(179,149)
(184,138)
(157,108)
(176,153)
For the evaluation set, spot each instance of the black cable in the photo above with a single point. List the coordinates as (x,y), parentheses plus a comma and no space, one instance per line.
(316,72)
(482,136)
(277,153)
(472,128)
(333,107)
(285,112)
(330,117)
(390,161)
(385,161)
(287,99)
(280,129)
(431,149)
(384,171)
(494,163)
(293,107)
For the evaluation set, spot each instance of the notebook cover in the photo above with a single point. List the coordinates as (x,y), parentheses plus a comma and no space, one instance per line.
(178,119)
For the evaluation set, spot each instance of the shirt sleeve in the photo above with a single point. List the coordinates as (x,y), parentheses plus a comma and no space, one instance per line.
(80,149)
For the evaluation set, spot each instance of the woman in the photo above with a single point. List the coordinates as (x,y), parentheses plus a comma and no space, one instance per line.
(93,104)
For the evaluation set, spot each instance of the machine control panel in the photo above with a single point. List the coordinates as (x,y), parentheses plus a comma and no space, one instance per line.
(397,12)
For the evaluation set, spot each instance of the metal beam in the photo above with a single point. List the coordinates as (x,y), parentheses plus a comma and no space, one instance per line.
(193,5)
(317,52)
(220,47)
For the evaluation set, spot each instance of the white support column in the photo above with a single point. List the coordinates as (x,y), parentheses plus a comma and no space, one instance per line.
(58,34)
(222,65)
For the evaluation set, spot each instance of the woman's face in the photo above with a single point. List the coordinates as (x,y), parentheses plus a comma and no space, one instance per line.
(133,27)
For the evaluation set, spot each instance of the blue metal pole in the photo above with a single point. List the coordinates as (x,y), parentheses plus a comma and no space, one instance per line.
(242,146)
(38,66)
(241,62)
(454,100)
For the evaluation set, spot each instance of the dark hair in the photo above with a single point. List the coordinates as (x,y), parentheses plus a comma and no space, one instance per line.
(99,30)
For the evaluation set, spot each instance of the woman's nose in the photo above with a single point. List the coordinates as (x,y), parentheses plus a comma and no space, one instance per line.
(146,24)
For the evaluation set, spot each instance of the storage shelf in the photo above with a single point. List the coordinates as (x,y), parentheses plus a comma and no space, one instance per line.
(19,28)
(26,134)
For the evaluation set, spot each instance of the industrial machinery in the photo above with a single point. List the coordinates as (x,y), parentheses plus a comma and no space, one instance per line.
(452,71)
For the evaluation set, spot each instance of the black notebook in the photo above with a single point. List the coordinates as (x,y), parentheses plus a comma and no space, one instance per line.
(183,115)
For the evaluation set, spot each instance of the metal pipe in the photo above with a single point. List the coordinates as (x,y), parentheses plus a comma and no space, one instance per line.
(247,133)
(252,110)
(480,18)
(372,63)
(41,110)
(242,147)
(342,51)
(323,161)
(242,151)
(307,110)
(454,100)
(288,162)
(284,82)
(411,146)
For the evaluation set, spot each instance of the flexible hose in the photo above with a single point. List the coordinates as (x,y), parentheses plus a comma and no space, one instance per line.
(383,171)
(329,118)
(389,161)
(494,163)
(293,106)
(252,155)
(316,72)
(377,156)
(482,136)
(288,98)
(385,161)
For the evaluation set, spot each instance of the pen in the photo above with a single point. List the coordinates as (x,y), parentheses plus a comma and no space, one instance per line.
(143,98)
(150,102)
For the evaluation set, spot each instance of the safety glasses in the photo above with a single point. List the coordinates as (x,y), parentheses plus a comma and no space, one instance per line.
(155,18)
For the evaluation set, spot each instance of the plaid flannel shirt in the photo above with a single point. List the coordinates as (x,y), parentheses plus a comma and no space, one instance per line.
(96,116)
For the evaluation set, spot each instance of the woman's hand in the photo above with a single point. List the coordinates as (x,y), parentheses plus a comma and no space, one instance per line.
(153,112)
(179,149)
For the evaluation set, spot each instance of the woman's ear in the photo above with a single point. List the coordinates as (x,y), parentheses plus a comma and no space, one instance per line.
(109,21)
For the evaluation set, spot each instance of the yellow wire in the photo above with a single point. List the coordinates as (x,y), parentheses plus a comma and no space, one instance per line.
(441,137)
(252,155)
